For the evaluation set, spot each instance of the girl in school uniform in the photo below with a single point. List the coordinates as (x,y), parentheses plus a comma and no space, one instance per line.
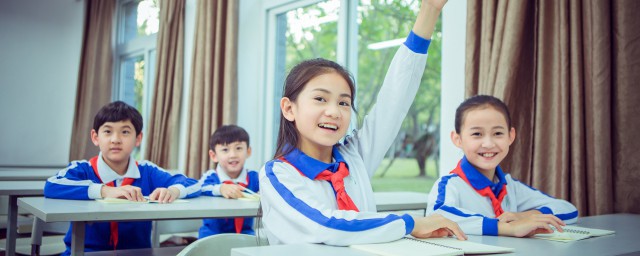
(478,195)
(317,190)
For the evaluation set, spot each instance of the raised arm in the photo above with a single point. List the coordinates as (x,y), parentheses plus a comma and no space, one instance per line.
(427,17)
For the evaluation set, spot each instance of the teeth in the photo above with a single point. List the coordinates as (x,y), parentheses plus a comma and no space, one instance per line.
(488,154)
(328,126)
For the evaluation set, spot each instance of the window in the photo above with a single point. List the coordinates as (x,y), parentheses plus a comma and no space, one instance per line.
(363,36)
(135,55)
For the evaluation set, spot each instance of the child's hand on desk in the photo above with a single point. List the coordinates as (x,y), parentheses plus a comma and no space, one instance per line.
(512,216)
(531,225)
(232,191)
(164,195)
(436,225)
(129,192)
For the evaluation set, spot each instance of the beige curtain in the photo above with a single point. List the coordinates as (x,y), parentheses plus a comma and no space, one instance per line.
(213,94)
(94,79)
(164,117)
(566,69)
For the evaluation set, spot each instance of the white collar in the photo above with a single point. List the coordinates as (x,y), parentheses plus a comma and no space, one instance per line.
(222,175)
(108,175)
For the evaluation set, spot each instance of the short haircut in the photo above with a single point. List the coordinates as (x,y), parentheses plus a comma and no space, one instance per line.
(480,102)
(118,111)
(228,134)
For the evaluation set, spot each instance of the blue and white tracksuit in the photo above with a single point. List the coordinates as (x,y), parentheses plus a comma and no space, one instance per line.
(455,199)
(297,209)
(79,182)
(211,182)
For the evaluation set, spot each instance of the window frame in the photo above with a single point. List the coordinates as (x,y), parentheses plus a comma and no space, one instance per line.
(144,46)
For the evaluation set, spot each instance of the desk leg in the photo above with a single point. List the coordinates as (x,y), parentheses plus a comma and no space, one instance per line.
(77,238)
(36,236)
(12,225)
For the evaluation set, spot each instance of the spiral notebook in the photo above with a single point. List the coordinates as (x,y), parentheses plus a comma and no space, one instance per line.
(574,233)
(409,246)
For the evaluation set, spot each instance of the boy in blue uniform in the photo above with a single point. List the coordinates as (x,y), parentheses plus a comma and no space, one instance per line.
(117,130)
(228,148)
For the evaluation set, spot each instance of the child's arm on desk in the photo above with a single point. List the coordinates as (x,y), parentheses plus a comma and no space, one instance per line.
(129,192)
(165,195)
(232,191)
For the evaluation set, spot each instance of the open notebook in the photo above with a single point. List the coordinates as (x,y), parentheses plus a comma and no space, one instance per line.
(574,233)
(125,201)
(409,246)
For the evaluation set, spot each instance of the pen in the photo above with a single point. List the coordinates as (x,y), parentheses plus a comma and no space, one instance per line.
(249,191)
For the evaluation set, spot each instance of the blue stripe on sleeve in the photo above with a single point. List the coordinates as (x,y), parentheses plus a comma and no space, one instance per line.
(567,216)
(442,190)
(416,43)
(545,210)
(409,223)
(489,227)
(316,216)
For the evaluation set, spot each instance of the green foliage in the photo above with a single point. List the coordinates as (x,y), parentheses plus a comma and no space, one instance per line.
(404,176)
(379,20)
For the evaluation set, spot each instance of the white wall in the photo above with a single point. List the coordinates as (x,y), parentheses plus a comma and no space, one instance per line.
(251,40)
(454,29)
(40,45)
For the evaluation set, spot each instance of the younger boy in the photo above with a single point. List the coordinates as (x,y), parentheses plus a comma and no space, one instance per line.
(228,148)
(117,130)
(477,194)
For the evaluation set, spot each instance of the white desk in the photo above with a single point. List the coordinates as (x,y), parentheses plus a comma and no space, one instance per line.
(400,201)
(27,173)
(80,212)
(624,241)
(15,189)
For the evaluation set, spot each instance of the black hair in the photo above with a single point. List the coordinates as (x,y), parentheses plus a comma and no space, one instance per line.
(228,134)
(297,79)
(481,101)
(118,111)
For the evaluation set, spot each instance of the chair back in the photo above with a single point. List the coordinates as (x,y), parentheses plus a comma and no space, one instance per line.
(220,244)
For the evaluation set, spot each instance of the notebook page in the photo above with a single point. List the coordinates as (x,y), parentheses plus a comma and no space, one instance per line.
(574,233)
(407,247)
(125,201)
(467,247)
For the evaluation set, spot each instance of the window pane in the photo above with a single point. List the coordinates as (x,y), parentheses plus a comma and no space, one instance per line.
(140,19)
(132,86)
(301,34)
(383,27)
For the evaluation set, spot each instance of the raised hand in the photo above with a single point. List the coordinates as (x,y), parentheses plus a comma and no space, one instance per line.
(436,225)
(164,195)
(129,192)
(435,3)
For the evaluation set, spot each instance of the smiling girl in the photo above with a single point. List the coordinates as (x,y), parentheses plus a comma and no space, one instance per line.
(317,190)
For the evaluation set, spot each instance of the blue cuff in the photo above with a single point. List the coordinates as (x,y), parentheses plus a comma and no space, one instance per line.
(408,223)
(545,210)
(489,227)
(416,43)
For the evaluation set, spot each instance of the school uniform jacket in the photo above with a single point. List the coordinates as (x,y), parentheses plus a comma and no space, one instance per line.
(78,181)
(211,182)
(455,199)
(298,209)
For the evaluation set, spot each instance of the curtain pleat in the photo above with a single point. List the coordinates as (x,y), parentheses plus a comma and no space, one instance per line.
(164,118)
(213,79)
(95,76)
(566,69)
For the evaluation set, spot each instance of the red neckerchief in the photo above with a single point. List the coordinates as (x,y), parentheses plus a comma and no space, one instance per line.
(337,181)
(237,222)
(127,181)
(486,192)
